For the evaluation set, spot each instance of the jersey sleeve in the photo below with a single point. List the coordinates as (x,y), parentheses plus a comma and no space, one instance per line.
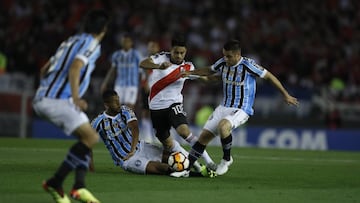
(159,58)
(255,68)
(95,124)
(216,67)
(128,114)
(87,49)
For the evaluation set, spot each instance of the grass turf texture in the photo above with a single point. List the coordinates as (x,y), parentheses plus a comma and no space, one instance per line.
(257,175)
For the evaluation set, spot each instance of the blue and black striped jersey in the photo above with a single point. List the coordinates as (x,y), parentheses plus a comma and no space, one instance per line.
(114,132)
(127,67)
(239,83)
(56,84)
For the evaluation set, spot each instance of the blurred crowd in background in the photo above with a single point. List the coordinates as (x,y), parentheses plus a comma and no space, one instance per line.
(307,44)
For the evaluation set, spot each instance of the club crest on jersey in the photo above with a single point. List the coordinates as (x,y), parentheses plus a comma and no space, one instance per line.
(137,163)
(115,125)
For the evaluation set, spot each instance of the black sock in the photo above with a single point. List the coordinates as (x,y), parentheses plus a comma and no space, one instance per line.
(80,156)
(226,145)
(196,152)
(57,180)
(80,150)
(77,157)
(79,178)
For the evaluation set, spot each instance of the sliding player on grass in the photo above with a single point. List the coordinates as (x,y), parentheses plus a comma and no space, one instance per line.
(118,129)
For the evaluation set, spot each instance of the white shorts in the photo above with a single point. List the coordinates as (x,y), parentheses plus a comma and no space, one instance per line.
(235,116)
(127,95)
(146,152)
(61,112)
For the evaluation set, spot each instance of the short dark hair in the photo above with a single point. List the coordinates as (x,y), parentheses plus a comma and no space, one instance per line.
(178,40)
(232,45)
(108,94)
(96,21)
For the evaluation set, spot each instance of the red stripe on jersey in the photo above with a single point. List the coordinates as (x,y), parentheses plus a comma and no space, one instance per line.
(167,80)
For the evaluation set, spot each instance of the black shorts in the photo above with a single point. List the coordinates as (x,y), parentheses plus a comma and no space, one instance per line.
(164,119)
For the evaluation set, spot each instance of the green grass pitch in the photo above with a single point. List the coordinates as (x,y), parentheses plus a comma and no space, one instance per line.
(257,175)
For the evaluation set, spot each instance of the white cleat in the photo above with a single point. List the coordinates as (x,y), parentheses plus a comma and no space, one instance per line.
(180,174)
(223,167)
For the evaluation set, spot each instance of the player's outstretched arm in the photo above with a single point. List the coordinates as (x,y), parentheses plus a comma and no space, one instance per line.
(203,74)
(290,100)
(199,72)
(149,64)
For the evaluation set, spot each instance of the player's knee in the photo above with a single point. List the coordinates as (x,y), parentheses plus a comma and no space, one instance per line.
(205,137)
(168,143)
(183,130)
(224,127)
(91,139)
(95,138)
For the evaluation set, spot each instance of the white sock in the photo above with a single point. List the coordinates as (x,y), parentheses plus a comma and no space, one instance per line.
(191,139)
(147,131)
(178,148)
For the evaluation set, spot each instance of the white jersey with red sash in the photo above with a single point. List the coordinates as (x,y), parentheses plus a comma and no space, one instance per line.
(166,85)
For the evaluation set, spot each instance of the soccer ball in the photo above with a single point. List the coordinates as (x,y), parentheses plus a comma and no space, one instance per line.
(178,161)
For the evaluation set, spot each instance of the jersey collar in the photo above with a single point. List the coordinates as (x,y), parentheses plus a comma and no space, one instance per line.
(238,63)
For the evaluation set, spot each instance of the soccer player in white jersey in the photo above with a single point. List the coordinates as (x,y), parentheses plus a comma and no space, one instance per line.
(166,99)
(64,80)
(125,63)
(238,75)
(118,129)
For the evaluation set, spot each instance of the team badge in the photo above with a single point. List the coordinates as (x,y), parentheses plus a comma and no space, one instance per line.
(137,163)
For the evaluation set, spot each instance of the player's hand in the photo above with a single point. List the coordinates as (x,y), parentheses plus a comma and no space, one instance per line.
(290,100)
(184,74)
(165,65)
(129,155)
(81,103)
(191,76)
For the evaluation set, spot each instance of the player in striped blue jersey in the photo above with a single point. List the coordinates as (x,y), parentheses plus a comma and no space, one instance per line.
(64,80)
(238,75)
(125,63)
(118,129)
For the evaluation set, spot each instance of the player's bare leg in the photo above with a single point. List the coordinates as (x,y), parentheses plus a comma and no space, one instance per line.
(154,167)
